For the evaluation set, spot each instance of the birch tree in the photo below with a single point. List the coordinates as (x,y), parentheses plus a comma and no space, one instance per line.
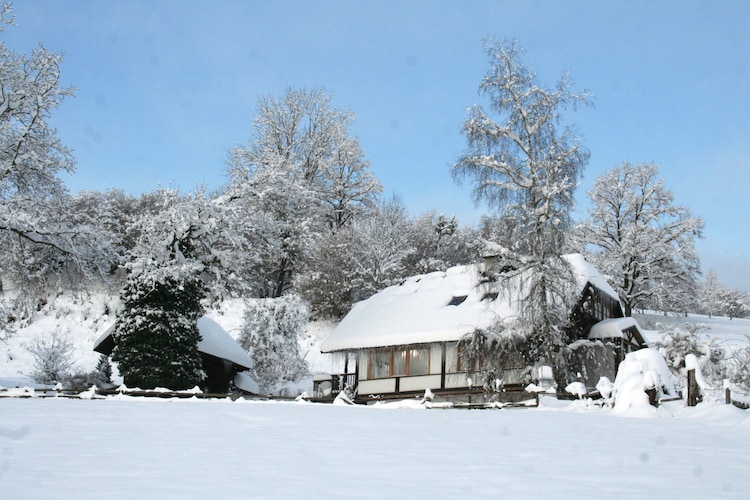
(523,161)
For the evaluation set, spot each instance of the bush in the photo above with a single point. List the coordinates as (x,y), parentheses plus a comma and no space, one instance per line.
(681,341)
(52,358)
(738,372)
(270,334)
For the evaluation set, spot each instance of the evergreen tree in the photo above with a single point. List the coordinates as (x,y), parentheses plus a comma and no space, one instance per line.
(178,261)
(103,372)
(156,335)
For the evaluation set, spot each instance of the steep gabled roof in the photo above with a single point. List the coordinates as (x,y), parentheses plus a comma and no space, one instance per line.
(586,273)
(436,307)
(217,342)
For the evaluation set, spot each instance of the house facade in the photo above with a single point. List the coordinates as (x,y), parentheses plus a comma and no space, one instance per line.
(405,339)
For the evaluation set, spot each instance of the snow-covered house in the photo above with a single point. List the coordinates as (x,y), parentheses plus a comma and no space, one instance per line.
(405,339)
(224,361)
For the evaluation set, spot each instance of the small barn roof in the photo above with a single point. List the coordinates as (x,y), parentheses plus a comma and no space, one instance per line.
(436,307)
(615,328)
(611,328)
(215,341)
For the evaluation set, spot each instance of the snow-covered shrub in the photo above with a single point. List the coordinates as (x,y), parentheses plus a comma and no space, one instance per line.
(79,380)
(270,334)
(587,361)
(103,372)
(52,358)
(738,368)
(680,342)
(487,353)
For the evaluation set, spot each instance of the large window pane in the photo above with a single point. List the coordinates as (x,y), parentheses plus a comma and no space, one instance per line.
(380,364)
(419,361)
(451,358)
(399,363)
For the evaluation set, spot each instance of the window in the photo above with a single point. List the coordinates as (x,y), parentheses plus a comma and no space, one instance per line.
(399,363)
(490,296)
(380,364)
(461,361)
(457,299)
(419,361)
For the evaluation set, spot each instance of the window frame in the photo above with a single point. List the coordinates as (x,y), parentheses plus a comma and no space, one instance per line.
(392,354)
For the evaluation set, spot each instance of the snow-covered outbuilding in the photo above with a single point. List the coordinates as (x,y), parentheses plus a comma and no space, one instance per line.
(224,361)
(405,338)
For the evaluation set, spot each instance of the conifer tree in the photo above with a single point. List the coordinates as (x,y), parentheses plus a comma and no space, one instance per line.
(157,335)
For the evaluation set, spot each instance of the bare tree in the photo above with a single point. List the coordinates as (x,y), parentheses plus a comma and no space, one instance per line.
(526,163)
(640,239)
(36,233)
(303,173)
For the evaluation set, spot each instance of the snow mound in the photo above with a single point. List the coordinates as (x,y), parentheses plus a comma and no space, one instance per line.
(577,389)
(641,370)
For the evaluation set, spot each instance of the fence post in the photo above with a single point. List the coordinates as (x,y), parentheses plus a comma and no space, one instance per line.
(692,395)
(727,392)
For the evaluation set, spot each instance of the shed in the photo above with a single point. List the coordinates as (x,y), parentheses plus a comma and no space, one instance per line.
(223,359)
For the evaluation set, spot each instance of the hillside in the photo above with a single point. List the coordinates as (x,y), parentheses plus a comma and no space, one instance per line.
(83,319)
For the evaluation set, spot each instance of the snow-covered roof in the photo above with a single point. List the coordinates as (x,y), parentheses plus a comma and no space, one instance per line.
(419,310)
(586,273)
(612,328)
(215,341)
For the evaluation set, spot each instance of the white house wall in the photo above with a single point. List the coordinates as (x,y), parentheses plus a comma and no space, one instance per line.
(379,386)
(419,383)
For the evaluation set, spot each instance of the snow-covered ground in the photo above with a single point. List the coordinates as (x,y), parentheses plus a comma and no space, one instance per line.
(147,448)
(729,333)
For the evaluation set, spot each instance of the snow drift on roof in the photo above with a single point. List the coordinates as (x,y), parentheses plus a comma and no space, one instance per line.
(419,310)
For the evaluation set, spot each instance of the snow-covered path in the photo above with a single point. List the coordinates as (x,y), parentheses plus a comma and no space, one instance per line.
(136,448)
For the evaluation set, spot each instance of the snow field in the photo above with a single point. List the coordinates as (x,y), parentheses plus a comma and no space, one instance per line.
(141,448)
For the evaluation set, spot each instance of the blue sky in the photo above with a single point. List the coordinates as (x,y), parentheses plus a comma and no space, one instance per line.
(166,88)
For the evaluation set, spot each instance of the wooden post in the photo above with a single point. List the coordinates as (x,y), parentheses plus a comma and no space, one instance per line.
(692,388)
(727,392)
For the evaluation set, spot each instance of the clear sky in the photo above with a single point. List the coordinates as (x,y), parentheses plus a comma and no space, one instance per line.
(167,88)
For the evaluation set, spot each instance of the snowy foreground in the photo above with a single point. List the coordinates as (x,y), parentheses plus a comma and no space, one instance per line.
(146,448)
